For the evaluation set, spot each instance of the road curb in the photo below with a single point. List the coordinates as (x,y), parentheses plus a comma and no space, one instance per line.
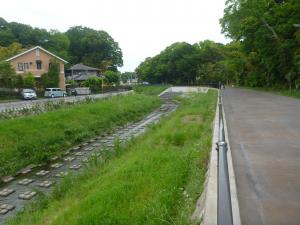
(233,190)
(207,204)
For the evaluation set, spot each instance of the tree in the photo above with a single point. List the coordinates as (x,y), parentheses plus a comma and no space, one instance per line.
(104,65)
(51,79)
(58,43)
(77,45)
(94,83)
(179,63)
(29,81)
(72,83)
(112,77)
(265,30)
(11,50)
(127,76)
(210,55)
(18,81)
(6,36)
(94,48)
(21,33)
(7,74)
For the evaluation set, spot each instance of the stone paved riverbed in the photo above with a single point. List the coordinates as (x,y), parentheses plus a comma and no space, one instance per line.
(17,191)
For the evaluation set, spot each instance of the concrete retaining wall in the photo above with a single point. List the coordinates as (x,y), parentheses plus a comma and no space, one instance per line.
(185,89)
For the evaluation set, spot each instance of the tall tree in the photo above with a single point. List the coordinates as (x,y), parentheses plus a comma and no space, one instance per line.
(29,81)
(78,44)
(11,50)
(182,63)
(58,43)
(94,48)
(51,79)
(176,64)
(266,32)
(112,77)
(7,74)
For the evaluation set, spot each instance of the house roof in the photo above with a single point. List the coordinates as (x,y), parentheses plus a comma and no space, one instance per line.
(82,67)
(34,48)
(80,77)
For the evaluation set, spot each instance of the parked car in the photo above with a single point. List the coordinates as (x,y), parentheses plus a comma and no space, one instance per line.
(54,93)
(28,94)
(79,91)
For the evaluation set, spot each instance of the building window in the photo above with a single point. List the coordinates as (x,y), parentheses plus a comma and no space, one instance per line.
(37,52)
(20,67)
(39,64)
(26,66)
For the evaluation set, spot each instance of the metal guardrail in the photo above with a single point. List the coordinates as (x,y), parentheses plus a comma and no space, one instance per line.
(224,198)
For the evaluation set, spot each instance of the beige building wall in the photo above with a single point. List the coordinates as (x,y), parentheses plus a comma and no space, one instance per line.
(31,59)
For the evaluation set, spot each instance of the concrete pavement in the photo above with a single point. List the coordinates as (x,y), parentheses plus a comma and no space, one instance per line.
(264,135)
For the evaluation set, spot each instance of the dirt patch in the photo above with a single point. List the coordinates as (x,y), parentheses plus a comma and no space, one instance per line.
(192,119)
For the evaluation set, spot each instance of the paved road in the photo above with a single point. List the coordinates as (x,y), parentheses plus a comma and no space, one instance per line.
(264,133)
(28,103)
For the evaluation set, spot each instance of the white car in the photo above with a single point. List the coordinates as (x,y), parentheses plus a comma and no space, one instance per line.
(28,94)
(54,93)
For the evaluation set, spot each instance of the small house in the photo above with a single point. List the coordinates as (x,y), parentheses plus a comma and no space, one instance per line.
(37,61)
(80,73)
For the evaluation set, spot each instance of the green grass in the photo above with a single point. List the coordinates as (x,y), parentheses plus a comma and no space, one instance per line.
(289,93)
(150,89)
(35,139)
(153,180)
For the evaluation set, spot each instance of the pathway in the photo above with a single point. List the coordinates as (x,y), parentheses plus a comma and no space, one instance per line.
(264,135)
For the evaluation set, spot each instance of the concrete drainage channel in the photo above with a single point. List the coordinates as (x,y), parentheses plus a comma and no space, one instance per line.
(17,191)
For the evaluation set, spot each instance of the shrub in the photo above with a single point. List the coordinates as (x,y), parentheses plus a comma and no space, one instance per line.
(29,81)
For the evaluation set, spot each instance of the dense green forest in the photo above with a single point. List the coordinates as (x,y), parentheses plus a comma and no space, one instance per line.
(77,45)
(264,51)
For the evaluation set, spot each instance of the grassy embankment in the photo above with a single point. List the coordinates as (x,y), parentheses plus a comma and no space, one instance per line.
(36,138)
(150,89)
(153,180)
(285,92)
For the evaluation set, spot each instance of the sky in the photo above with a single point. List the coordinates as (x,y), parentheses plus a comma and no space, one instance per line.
(143,28)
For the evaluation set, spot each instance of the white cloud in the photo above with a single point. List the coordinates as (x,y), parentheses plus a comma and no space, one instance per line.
(142,28)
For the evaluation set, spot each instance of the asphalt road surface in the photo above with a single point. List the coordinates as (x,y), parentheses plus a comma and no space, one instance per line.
(264,133)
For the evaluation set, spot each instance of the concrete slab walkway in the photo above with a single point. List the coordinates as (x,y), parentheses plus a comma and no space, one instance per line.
(264,135)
